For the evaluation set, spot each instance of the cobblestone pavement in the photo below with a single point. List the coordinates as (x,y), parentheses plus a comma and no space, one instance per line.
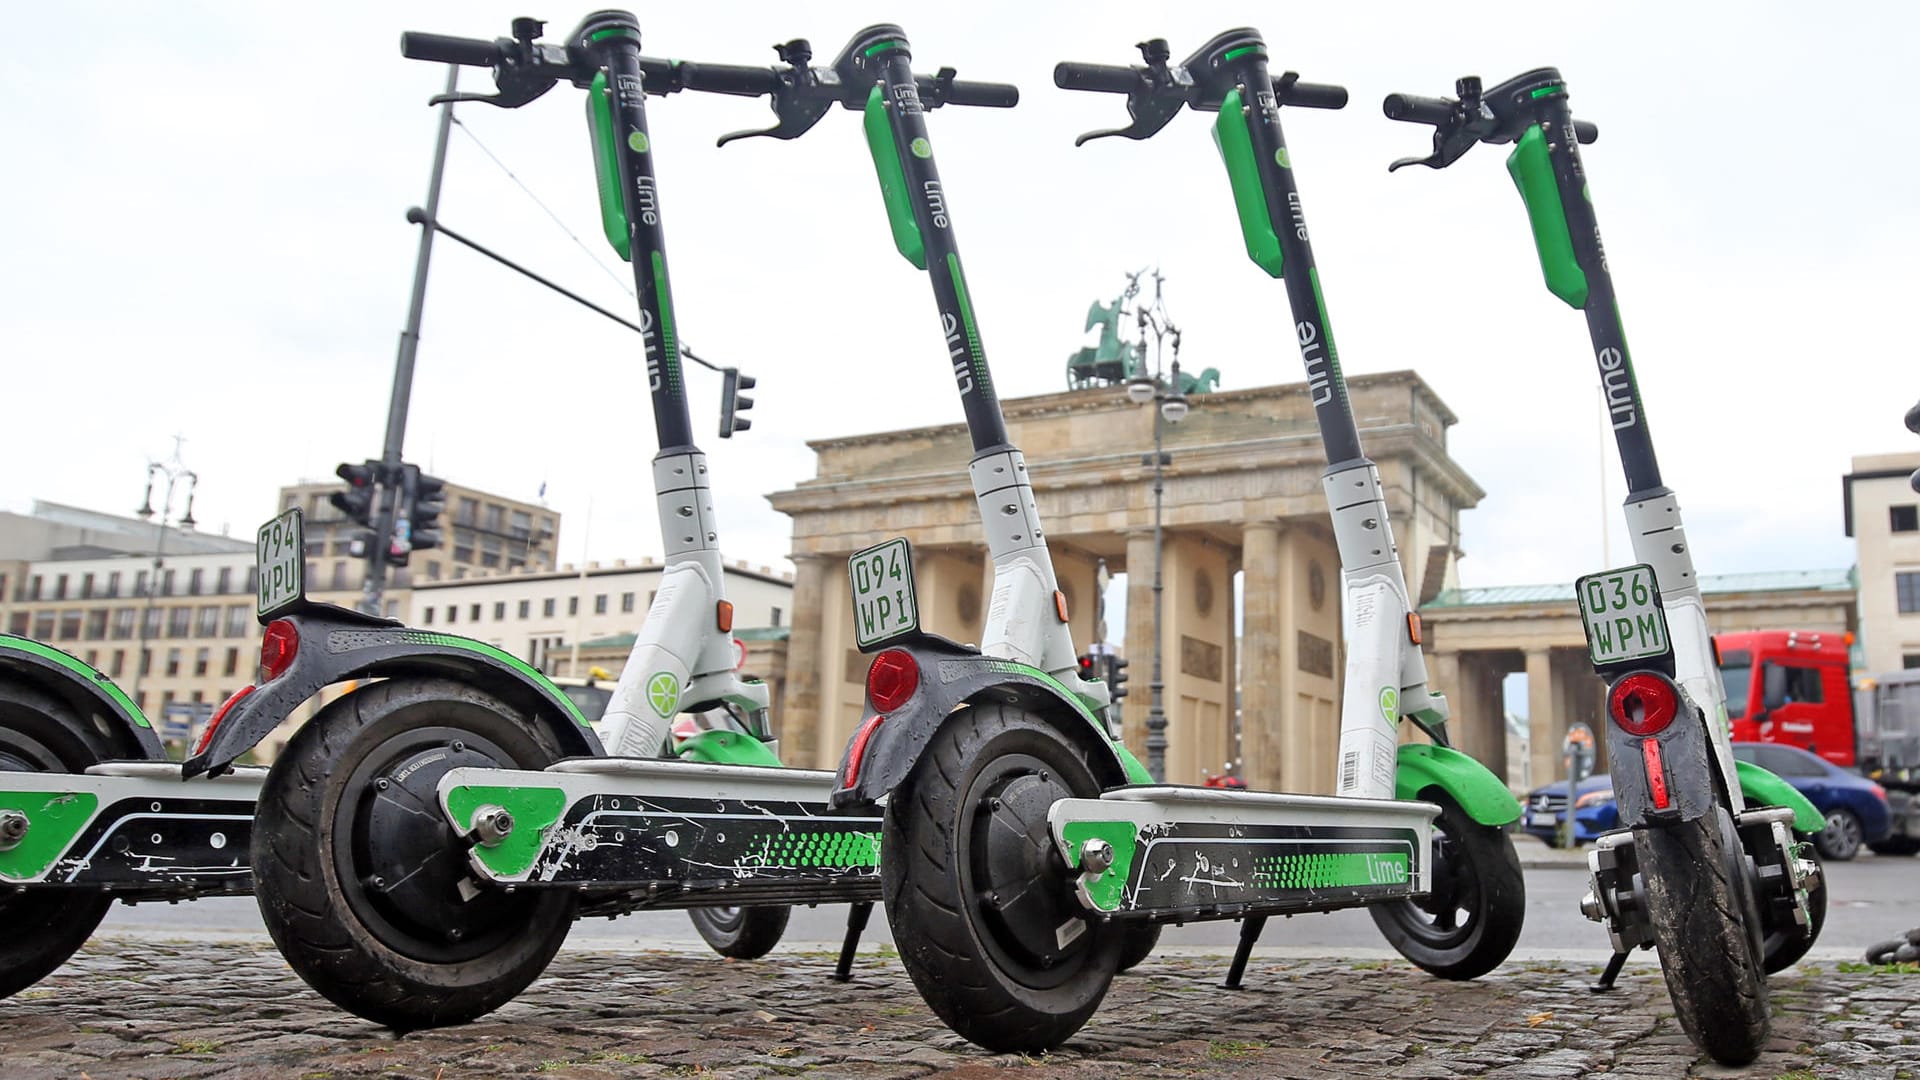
(138,1008)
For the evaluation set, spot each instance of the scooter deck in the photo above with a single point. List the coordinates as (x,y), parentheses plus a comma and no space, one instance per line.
(1191,854)
(669,833)
(132,828)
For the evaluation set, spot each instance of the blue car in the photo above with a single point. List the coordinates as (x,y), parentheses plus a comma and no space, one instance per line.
(1855,807)
(1594,811)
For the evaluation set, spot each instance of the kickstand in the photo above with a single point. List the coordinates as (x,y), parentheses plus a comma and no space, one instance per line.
(1605,982)
(856,922)
(1250,928)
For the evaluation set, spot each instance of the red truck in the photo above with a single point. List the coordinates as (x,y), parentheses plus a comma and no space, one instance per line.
(1792,687)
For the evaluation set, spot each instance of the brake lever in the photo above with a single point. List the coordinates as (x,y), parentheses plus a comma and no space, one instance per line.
(504,99)
(1449,146)
(796,118)
(1149,111)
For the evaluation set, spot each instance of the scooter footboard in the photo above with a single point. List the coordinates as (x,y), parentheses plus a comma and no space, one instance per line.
(681,834)
(130,827)
(1185,853)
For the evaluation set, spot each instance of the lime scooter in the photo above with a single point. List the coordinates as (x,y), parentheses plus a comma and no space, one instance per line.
(91,811)
(1024,846)
(1705,868)
(427,840)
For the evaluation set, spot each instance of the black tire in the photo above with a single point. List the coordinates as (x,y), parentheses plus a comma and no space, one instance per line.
(743,933)
(1706,926)
(1895,845)
(1137,943)
(414,954)
(1783,946)
(1840,840)
(39,733)
(967,827)
(1468,924)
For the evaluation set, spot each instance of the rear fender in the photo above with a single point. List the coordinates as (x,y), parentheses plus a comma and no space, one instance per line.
(1687,765)
(86,691)
(1473,786)
(1760,787)
(336,648)
(953,676)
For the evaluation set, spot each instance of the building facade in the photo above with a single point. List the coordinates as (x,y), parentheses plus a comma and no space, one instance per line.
(1883,517)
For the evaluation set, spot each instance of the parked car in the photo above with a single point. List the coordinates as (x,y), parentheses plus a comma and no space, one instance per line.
(1855,807)
(1594,811)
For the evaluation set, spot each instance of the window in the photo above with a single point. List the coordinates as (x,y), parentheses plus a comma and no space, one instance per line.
(526,606)
(453,614)
(150,624)
(233,661)
(179,621)
(1910,661)
(140,583)
(433,571)
(312,571)
(463,547)
(113,584)
(546,607)
(96,624)
(194,581)
(499,610)
(490,552)
(521,527)
(173,661)
(775,618)
(201,657)
(60,587)
(393,609)
(236,620)
(208,622)
(43,625)
(225,583)
(69,625)
(426,616)
(1802,684)
(86,586)
(166,583)
(253,578)
(473,613)
(600,604)
(33,588)
(466,512)
(492,522)
(1903,518)
(93,659)
(626,601)
(339,574)
(17,624)
(573,605)
(459,572)
(1906,588)
(119,663)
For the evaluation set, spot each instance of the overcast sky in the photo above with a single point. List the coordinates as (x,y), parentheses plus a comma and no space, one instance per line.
(205,236)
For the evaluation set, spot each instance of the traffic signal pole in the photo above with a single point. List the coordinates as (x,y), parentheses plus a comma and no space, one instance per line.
(390,512)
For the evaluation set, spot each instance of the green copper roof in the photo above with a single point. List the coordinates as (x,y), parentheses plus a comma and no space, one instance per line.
(1760,581)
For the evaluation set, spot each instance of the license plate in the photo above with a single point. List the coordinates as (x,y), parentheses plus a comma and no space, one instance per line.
(1540,818)
(281,563)
(883,600)
(1620,611)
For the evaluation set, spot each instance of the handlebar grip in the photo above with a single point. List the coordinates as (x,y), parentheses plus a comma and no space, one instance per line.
(990,95)
(728,79)
(1310,95)
(449,50)
(1585,132)
(1104,78)
(1417,110)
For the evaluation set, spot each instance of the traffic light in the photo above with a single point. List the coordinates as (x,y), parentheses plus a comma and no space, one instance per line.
(1116,677)
(733,402)
(426,501)
(357,501)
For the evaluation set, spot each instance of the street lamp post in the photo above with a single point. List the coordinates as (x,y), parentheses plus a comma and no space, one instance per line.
(173,471)
(1171,409)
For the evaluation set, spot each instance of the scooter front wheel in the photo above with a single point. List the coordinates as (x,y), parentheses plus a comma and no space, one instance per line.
(44,927)
(1706,927)
(360,878)
(1470,921)
(981,906)
(1785,944)
(743,933)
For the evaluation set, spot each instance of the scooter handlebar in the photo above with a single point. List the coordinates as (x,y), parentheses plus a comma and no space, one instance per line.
(728,79)
(447,49)
(989,95)
(1103,78)
(1435,112)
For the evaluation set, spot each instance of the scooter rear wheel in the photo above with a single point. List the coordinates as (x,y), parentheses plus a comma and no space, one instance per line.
(981,906)
(1471,920)
(743,933)
(38,733)
(360,878)
(1706,927)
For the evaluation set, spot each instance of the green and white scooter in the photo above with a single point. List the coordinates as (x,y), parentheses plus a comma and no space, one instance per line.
(91,811)
(1024,847)
(426,841)
(1705,868)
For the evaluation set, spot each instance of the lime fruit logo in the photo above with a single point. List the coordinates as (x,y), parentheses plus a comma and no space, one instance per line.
(638,140)
(663,692)
(1280,156)
(1390,704)
(921,148)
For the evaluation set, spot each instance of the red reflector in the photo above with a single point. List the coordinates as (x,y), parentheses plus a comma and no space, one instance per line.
(1656,774)
(1643,703)
(723,616)
(858,752)
(891,680)
(219,714)
(278,646)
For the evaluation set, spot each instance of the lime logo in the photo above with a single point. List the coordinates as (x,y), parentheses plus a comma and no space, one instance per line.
(638,140)
(663,692)
(921,148)
(1390,704)
(1280,156)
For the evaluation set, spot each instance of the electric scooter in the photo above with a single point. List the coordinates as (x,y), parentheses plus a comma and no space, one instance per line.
(1705,868)
(91,811)
(1024,846)
(427,840)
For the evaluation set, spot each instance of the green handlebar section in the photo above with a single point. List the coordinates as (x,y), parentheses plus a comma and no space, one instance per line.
(1532,172)
(893,180)
(606,167)
(1230,134)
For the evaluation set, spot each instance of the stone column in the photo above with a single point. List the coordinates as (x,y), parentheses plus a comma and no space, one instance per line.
(1546,726)
(1263,686)
(1139,639)
(799,723)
